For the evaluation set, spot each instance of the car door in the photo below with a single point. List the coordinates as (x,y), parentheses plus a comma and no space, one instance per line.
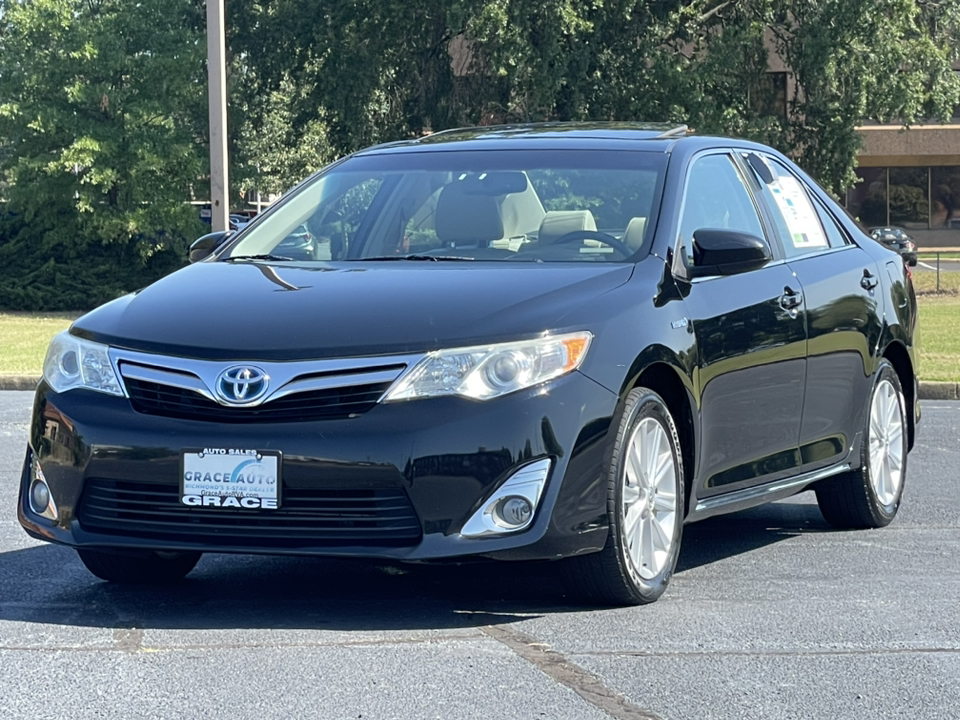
(750,339)
(841,284)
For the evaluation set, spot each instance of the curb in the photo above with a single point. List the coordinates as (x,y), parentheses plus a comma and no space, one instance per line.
(929,389)
(18,382)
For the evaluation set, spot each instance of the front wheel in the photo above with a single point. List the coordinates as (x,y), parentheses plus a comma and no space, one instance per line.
(150,568)
(869,496)
(645,495)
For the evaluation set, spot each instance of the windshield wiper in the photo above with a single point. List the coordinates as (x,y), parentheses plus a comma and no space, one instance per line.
(429,258)
(265,256)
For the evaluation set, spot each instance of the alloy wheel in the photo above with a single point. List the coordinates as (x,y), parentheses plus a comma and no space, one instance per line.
(886,443)
(649,506)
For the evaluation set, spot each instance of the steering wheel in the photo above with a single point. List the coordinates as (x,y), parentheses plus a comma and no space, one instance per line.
(605,238)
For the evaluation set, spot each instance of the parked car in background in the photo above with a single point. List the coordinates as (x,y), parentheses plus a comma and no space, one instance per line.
(558,341)
(300,244)
(238,222)
(897,239)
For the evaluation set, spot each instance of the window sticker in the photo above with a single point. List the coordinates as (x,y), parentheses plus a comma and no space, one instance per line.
(801,218)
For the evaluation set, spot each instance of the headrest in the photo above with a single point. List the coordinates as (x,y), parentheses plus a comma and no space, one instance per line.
(557,223)
(633,237)
(522,212)
(467,219)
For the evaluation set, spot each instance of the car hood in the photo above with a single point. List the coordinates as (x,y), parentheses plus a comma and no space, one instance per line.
(260,311)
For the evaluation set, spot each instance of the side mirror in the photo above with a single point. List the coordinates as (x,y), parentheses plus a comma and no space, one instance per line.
(727,252)
(204,246)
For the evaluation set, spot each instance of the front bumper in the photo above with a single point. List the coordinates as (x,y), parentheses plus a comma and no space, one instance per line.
(435,460)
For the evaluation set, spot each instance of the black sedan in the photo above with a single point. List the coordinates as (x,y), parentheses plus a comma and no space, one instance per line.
(544,342)
(896,238)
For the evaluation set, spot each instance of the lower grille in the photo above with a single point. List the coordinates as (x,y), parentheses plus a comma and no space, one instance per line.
(307,517)
(328,404)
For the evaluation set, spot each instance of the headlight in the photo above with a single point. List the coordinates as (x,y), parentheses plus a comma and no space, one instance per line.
(490,371)
(75,363)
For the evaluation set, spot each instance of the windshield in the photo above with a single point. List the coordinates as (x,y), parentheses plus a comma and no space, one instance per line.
(536,206)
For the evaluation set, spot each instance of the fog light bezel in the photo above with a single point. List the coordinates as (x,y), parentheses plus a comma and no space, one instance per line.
(37,478)
(526,483)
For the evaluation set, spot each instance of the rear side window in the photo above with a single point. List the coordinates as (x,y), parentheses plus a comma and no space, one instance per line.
(798,221)
(835,235)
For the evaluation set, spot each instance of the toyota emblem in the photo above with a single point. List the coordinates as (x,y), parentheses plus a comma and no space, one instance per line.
(242,384)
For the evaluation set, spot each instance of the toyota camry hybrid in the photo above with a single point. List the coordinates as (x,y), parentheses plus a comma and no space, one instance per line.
(558,341)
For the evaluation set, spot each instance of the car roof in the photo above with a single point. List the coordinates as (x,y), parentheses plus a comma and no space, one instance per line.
(649,137)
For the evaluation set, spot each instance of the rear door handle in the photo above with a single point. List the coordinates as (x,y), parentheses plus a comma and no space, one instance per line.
(869,280)
(791,299)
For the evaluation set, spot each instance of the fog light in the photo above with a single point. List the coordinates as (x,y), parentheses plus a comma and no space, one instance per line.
(513,511)
(512,505)
(39,496)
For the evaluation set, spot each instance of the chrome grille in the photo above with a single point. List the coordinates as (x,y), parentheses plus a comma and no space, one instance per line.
(298,391)
(168,401)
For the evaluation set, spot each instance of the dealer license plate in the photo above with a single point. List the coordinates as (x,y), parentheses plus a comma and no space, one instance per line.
(230,478)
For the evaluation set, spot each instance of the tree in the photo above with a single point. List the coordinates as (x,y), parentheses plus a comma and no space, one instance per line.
(103,112)
(887,60)
(335,76)
(273,148)
(103,104)
(384,69)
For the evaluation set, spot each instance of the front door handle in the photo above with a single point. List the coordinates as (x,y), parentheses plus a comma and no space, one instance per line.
(791,299)
(869,280)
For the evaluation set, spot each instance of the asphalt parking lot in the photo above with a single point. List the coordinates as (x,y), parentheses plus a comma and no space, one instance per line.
(771,615)
(931,264)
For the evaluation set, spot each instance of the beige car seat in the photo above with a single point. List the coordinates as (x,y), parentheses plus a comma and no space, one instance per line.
(633,237)
(463,219)
(557,223)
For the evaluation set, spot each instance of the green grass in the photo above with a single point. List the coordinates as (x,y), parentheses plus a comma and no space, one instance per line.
(928,255)
(24,336)
(925,282)
(939,341)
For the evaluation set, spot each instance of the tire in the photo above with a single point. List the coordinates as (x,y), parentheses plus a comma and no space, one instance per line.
(150,568)
(869,496)
(645,516)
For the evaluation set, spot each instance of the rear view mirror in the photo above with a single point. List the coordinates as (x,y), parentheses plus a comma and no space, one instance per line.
(204,246)
(727,252)
(505,182)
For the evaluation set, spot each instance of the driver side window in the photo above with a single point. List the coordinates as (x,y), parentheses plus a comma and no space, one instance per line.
(717,198)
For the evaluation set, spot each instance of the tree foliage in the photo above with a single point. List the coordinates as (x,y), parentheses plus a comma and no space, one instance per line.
(102,110)
(103,102)
(854,60)
(374,70)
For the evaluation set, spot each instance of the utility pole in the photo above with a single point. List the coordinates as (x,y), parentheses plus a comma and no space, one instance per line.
(217,99)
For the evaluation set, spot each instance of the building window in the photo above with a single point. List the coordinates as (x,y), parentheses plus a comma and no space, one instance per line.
(909,199)
(945,189)
(867,200)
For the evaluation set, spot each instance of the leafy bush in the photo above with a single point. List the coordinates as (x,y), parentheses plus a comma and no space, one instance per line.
(71,276)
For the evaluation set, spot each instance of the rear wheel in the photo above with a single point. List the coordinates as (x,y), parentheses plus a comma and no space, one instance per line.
(644,509)
(869,497)
(152,567)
